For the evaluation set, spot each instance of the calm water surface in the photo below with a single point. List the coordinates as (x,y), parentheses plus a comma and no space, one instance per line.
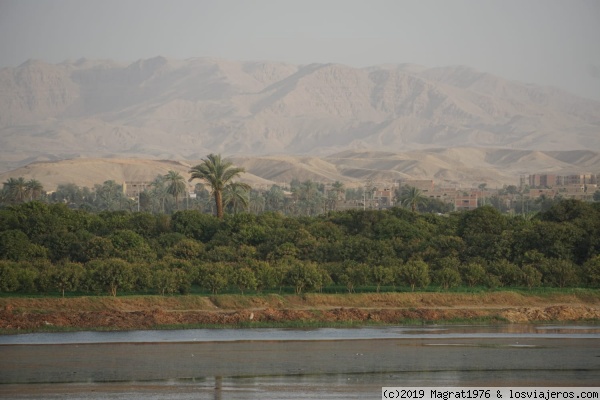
(293,364)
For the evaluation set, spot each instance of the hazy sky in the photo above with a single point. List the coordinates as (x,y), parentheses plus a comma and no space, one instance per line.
(539,41)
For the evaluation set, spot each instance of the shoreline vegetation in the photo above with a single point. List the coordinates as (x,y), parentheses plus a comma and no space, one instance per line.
(244,268)
(310,310)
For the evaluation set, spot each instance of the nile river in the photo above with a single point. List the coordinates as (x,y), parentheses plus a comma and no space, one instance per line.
(293,364)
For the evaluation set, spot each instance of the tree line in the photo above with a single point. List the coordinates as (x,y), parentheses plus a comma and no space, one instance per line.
(216,192)
(49,248)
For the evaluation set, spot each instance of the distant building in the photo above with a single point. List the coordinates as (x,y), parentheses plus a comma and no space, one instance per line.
(134,188)
(383,198)
(552,180)
(424,185)
(537,193)
(466,202)
(543,181)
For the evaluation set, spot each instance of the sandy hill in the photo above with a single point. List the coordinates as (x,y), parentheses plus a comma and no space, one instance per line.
(184,109)
(456,166)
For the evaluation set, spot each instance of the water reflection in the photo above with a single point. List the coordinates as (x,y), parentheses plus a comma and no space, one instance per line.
(300,387)
(295,364)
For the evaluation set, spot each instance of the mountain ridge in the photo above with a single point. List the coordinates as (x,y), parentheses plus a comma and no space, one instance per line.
(162,108)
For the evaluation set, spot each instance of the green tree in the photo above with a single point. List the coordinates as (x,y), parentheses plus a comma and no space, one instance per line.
(559,273)
(447,278)
(217,173)
(303,275)
(175,185)
(44,282)
(9,281)
(411,197)
(70,194)
(256,202)
(67,277)
(338,190)
(473,273)
(109,195)
(34,189)
(187,249)
(265,275)
(592,271)
(274,198)
(131,247)
(28,276)
(158,193)
(485,233)
(164,280)
(244,278)
(215,276)
(354,274)
(382,276)
(98,248)
(508,273)
(195,225)
(112,274)
(414,273)
(531,276)
(16,189)
(143,277)
(14,245)
(235,195)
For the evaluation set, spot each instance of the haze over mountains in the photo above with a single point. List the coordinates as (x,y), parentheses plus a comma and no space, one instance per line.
(182,110)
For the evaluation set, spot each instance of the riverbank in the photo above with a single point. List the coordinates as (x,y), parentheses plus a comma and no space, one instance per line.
(20,314)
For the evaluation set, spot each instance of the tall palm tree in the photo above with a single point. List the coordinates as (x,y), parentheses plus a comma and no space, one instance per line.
(411,196)
(274,198)
(256,202)
(158,192)
(338,189)
(175,185)
(16,189)
(236,195)
(110,195)
(34,189)
(217,173)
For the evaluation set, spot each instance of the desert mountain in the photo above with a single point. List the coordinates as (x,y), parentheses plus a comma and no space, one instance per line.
(182,110)
(463,167)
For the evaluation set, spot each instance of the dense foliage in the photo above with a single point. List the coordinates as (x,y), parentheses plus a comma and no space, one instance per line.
(49,248)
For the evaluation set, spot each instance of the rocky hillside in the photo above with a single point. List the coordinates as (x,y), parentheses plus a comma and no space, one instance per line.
(171,109)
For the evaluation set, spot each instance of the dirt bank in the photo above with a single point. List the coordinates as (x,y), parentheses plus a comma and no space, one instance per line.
(147,312)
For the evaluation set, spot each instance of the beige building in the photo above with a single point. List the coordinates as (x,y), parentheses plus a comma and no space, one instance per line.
(468,202)
(424,185)
(134,188)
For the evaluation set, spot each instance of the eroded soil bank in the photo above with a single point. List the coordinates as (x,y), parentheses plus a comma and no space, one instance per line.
(149,312)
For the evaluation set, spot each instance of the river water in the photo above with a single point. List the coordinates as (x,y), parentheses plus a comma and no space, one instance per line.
(293,364)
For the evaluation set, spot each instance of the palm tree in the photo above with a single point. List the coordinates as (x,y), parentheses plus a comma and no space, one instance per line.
(34,189)
(338,188)
(217,173)
(158,192)
(411,196)
(175,185)
(256,202)
(16,189)
(236,195)
(110,195)
(274,198)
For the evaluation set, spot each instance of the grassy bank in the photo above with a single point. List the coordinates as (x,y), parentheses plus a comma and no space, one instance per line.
(533,298)
(18,314)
